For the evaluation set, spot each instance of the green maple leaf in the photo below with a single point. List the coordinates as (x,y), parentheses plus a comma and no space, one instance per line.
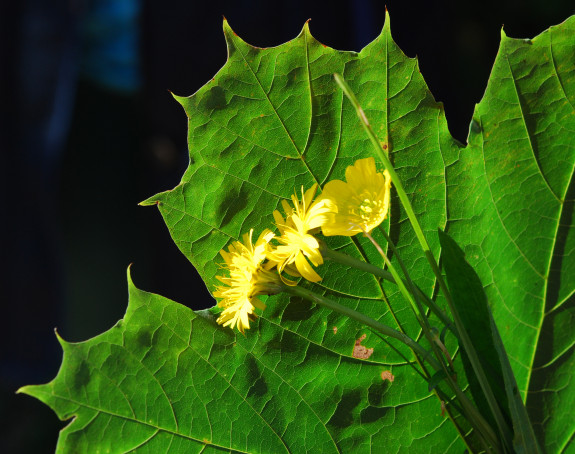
(272,120)
(511,205)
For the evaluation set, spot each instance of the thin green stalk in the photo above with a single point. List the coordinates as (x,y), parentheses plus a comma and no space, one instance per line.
(504,429)
(363,319)
(431,337)
(480,424)
(441,395)
(425,374)
(348,260)
(412,289)
(485,431)
(384,298)
(409,282)
(419,314)
(382,154)
(417,309)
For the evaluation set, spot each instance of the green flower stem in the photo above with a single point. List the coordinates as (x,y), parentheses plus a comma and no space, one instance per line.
(363,319)
(344,259)
(423,373)
(419,314)
(413,289)
(347,260)
(416,307)
(473,415)
(398,257)
(441,395)
(486,432)
(383,156)
(394,277)
(415,303)
(505,431)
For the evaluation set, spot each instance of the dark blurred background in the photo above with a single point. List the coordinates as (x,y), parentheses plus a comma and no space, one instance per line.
(88,129)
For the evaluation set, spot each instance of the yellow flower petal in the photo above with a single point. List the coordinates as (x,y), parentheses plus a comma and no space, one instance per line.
(247,279)
(305,269)
(297,244)
(360,204)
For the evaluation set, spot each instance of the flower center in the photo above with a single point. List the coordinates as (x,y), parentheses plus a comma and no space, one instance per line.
(370,209)
(366,208)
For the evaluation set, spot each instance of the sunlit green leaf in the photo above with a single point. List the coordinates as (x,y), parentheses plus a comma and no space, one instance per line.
(511,208)
(273,120)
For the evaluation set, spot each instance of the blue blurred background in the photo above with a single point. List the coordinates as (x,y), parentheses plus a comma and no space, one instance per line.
(88,129)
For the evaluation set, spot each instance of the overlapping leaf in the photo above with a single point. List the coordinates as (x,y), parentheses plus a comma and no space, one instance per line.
(273,120)
(511,205)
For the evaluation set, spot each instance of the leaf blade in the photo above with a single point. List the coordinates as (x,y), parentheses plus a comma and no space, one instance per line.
(511,203)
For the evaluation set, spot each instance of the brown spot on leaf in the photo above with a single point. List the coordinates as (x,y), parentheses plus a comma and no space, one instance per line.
(335,330)
(360,351)
(387,375)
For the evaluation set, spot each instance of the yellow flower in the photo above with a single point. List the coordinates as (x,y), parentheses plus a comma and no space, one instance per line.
(247,279)
(297,244)
(359,205)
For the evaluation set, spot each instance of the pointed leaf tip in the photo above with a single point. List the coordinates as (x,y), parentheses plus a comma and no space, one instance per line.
(129,276)
(150,202)
(29,390)
(60,338)
(133,292)
(22,390)
(178,98)
(305,29)
(228,31)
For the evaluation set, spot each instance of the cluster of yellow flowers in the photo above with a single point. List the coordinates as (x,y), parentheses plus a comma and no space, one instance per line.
(344,208)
